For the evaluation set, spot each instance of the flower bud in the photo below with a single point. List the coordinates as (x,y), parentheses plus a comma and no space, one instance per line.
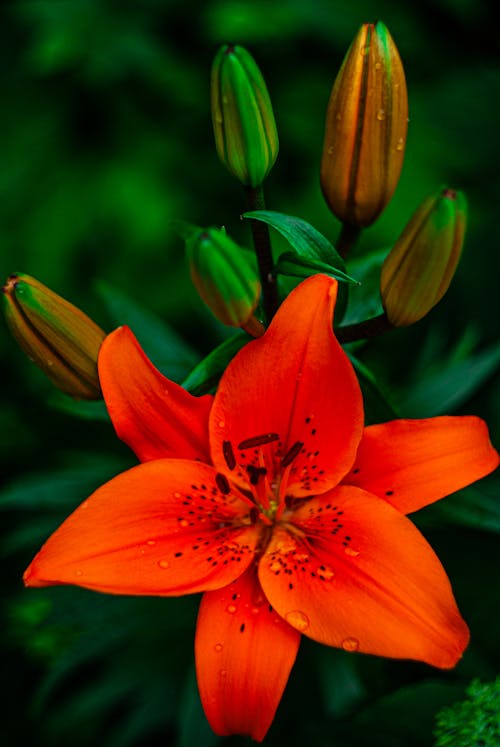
(366,124)
(55,335)
(224,277)
(418,270)
(244,127)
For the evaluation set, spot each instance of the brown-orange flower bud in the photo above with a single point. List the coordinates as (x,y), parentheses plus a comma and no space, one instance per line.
(366,125)
(419,268)
(57,336)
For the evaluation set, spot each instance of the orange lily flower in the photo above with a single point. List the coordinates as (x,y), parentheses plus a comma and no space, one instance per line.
(274,500)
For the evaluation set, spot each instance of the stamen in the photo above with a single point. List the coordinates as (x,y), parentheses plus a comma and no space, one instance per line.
(292,452)
(254,473)
(265,438)
(222,483)
(228,454)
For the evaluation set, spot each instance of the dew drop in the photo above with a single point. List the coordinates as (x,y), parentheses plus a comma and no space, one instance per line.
(221,424)
(184,523)
(330,150)
(275,566)
(352,553)
(79,573)
(151,543)
(350,644)
(177,495)
(163,564)
(218,647)
(231,608)
(255,610)
(381,115)
(378,65)
(297,619)
(400,144)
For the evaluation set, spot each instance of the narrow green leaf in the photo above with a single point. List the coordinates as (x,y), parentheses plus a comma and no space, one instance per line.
(79,408)
(449,384)
(377,403)
(166,348)
(306,240)
(206,374)
(292,264)
(477,507)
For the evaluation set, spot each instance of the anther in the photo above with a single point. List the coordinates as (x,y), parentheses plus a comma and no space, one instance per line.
(265,438)
(228,454)
(292,452)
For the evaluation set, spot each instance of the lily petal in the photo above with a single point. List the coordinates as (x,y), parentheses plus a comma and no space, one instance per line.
(411,463)
(161,528)
(154,416)
(363,578)
(290,399)
(244,654)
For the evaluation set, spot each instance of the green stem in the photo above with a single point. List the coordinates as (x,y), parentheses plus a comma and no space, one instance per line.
(377,325)
(263,251)
(347,238)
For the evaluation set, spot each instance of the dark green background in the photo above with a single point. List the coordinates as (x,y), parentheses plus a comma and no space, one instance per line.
(105,136)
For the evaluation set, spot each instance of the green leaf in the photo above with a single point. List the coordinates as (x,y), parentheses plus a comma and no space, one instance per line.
(377,403)
(162,344)
(79,408)
(206,374)
(443,387)
(303,267)
(364,300)
(477,507)
(306,240)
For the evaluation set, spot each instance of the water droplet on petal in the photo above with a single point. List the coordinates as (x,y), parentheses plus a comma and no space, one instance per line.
(400,144)
(381,115)
(350,644)
(218,647)
(352,553)
(163,564)
(331,149)
(297,619)
(275,566)
(231,608)
(221,424)
(177,495)
(151,542)
(79,573)
(184,523)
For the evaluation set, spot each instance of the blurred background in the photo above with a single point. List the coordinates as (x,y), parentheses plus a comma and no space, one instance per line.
(105,137)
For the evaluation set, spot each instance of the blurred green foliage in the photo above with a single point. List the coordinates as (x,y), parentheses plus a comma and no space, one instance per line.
(105,137)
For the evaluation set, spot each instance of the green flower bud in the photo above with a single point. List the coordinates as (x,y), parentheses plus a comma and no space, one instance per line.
(245,131)
(224,277)
(366,125)
(55,335)
(418,270)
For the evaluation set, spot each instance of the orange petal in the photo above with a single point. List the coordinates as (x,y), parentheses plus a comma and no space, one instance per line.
(154,416)
(363,578)
(161,528)
(411,463)
(291,398)
(244,654)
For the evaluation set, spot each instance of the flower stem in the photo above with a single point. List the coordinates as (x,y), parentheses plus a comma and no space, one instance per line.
(262,246)
(377,325)
(347,238)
